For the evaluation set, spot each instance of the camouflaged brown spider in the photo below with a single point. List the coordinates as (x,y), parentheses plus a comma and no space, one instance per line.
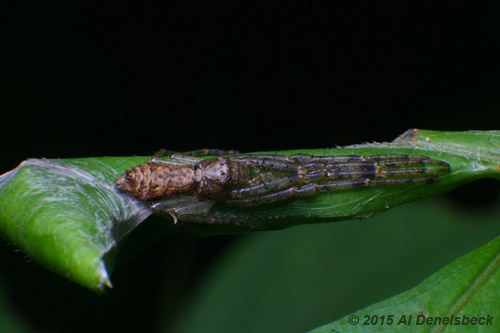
(186,187)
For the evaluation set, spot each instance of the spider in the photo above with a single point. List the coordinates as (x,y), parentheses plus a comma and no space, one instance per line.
(186,187)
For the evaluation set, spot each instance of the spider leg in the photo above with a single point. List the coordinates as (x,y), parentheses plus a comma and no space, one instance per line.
(163,152)
(317,172)
(267,186)
(306,158)
(179,207)
(263,156)
(394,163)
(278,162)
(209,152)
(410,166)
(409,171)
(321,172)
(301,158)
(200,152)
(190,157)
(176,159)
(180,158)
(315,188)
(397,157)
(272,162)
(172,161)
(190,209)
(310,173)
(215,219)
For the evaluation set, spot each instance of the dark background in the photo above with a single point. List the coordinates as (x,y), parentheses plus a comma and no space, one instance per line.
(128,77)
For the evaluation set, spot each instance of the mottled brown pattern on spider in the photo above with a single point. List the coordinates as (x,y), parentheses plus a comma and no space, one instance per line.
(210,179)
(187,188)
(247,180)
(151,180)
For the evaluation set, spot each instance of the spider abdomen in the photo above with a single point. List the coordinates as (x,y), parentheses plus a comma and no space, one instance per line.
(157,181)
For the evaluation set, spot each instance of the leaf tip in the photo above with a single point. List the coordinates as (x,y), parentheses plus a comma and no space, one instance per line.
(107,283)
(408,136)
(104,283)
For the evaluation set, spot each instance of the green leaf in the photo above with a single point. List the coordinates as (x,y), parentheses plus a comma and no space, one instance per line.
(468,288)
(297,279)
(67,216)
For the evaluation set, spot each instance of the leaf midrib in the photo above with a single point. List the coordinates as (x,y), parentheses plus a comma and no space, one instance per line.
(467,295)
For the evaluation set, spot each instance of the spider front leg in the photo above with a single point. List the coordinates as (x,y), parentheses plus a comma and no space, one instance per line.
(175,160)
(209,152)
(190,157)
(191,209)
(183,206)
(195,153)
(314,188)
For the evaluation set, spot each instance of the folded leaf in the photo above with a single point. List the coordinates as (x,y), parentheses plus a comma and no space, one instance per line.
(68,216)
